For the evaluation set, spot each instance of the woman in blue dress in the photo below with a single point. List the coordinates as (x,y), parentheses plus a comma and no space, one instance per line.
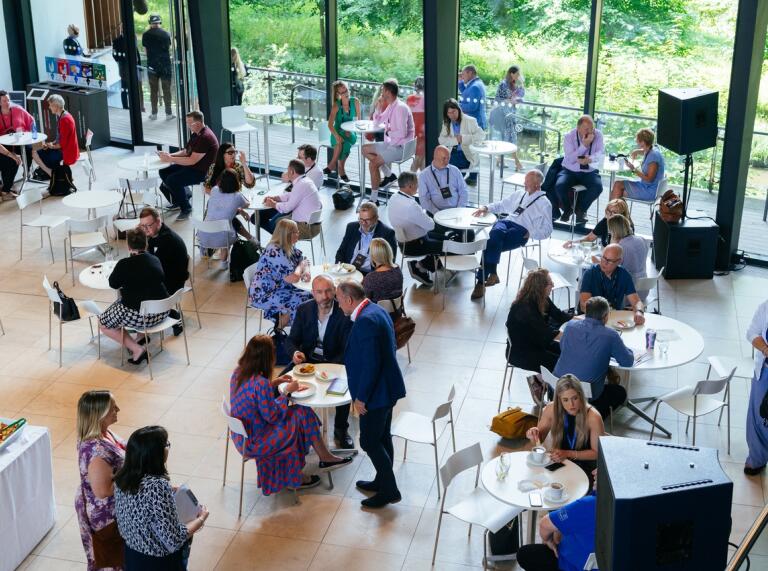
(650,171)
(757,424)
(279,268)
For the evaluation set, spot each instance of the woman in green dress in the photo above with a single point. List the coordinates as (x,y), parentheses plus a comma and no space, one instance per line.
(345,108)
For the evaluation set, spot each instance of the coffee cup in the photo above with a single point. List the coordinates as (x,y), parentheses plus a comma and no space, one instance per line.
(556,491)
(537,454)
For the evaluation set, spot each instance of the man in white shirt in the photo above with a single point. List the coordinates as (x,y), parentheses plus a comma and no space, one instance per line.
(441,185)
(530,216)
(415,228)
(300,202)
(308,156)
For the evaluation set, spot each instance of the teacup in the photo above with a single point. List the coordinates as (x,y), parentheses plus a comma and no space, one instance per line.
(556,491)
(537,454)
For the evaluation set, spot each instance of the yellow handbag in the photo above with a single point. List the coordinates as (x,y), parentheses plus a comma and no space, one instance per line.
(513,423)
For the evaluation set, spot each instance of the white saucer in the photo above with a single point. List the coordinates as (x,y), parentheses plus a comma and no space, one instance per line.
(564,498)
(531,462)
(303,394)
(295,371)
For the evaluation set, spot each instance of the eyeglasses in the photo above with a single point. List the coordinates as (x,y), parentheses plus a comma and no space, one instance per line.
(366,220)
(230,152)
(611,261)
(147,226)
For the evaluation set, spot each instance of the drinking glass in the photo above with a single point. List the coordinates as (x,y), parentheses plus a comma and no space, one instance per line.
(663,346)
(502,467)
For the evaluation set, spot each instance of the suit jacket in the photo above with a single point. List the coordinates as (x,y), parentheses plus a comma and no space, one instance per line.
(352,236)
(373,373)
(304,332)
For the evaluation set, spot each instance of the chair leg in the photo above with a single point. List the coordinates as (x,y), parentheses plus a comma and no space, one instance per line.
(61,344)
(50,324)
(242,481)
(184,333)
(687,424)
(405,449)
(149,355)
(694,430)
(485,549)
(437,468)
(330,480)
(197,310)
(709,371)
(437,534)
(653,424)
(50,245)
(226,458)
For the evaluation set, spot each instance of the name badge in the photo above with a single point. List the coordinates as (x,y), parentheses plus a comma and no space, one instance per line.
(359,261)
(445,191)
(518,211)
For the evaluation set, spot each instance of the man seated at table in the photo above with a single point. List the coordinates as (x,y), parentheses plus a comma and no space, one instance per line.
(441,185)
(613,282)
(416,228)
(583,156)
(398,130)
(188,166)
(586,349)
(355,246)
(308,155)
(319,335)
(64,149)
(529,216)
(300,202)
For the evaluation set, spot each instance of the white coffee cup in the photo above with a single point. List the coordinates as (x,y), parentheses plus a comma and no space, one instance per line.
(556,490)
(537,454)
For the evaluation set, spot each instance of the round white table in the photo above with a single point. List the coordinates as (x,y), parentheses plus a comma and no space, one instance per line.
(612,167)
(91,200)
(338,277)
(265,111)
(24,138)
(256,203)
(493,149)
(97,275)
(575,483)
(462,219)
(142,164)
(574,257)
(362,127)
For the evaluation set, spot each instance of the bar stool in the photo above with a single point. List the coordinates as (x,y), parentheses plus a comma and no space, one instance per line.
(576,189)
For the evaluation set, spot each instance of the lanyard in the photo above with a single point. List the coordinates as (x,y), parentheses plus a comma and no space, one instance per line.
(570,439)
(447,176)
(527,206)
(360,242)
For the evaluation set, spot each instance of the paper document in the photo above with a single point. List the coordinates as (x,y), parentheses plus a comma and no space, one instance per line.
(186,504)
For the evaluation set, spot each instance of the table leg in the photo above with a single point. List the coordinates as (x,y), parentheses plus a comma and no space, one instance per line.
(611,182)
(257,224)
(639,412)
(490,182)
(532,516)
(361,166)
(266,148)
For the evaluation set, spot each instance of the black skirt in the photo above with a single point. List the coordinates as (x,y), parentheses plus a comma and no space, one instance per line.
(136,561)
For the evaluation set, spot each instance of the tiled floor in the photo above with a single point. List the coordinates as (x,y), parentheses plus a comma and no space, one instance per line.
(460,346)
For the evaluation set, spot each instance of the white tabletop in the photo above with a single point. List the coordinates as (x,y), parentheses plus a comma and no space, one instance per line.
(494,148)
(136,163)
(265,109)
(573,479)
(574,257)
(611,166)
(24,138)
(338,277)
(462,219)
(320,399)
(97,275)
(90,199)
(362,126)
(256,196)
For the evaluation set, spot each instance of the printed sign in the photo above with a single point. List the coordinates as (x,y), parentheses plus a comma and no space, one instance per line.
(76,71)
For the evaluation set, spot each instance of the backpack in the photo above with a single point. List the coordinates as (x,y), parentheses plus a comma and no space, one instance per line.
(61,181)
(244,253)
(506,541)
(343,199)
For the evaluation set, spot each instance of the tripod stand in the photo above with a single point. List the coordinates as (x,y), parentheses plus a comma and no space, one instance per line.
(687,182)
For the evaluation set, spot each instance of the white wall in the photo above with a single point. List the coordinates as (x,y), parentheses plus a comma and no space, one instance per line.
(50,19)
(5,67)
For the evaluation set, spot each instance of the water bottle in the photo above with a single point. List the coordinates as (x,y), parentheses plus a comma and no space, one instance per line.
(34,131)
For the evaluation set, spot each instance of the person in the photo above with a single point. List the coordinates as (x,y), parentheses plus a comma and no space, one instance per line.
(155,538)
(510,91)
(472,92)
(300,202)
(634,248)
(226,203)
(139,277)
(280,433)
(650,170)
(307,154)
(100,454)
(530,216)
(573,425)
(64,149)
(416,229)
(459,132)
(415,102)
(319,335)
(441,184)
(584,150)
(398,130)
(615,206)
(157,45)
(189,165)
(757,428)
(375,385)
(225,159)
(609,279)
(279,267)
(355,246)
(345,108)
(586,349)
(120,55)
(12,118)
(386,279)
(71,44)
(238,73)
(533,324)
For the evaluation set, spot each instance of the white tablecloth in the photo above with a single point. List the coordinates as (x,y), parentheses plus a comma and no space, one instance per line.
(27,508)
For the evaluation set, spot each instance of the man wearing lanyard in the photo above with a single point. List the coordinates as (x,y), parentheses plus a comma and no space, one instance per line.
(65,148)
(530,216)
(355,246)
(441,185)
(301,202)
(308,155)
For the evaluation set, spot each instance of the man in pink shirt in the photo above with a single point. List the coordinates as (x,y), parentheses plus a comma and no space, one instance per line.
(398,130)
(300,202)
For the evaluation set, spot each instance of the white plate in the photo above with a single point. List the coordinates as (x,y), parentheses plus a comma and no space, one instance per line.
(338,269)
(627,324)
(303,394)
(319,370)
(531,462)
(564,498)
(295,371)
(13,436)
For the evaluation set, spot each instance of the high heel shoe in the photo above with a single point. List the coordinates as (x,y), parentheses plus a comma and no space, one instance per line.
(327,171)
(143,357)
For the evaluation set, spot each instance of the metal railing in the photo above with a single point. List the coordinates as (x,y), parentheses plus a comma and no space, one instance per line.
(294,89)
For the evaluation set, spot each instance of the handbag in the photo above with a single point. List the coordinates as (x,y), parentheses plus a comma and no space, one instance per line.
(61,183)
(671,207)
(513,423)
(343,199)
(108,546)
(404,326)
(280,340)
(66,310)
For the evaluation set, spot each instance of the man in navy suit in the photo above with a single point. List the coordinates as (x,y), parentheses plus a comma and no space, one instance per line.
(319,335)
(355,246)
(375,385)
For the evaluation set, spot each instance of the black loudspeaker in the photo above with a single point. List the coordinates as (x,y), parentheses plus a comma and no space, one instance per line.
(687,249)
(687,120)
(661,507)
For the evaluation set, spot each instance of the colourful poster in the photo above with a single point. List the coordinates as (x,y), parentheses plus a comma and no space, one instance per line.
(77,71)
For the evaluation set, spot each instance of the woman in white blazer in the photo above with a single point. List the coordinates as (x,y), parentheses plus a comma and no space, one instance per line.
(459,133)
(757,425)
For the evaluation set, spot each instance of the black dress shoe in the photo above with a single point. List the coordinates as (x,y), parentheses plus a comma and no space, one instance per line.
(581,217)
(749,471)
(566,217)
(326,171)
(367,486)
(335,464)
(178,329)
(314,480)
(344,440)
(143,357)
(389,180)
(381,500)
(344,177)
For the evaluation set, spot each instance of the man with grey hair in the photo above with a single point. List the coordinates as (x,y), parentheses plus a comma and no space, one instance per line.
(529,215)
(612,281)
(586,349)
(64,149)
(441,185)
(472,94)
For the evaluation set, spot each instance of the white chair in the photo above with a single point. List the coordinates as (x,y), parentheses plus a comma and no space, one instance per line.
(401,241)
(86,160)
(150,307)
(191,288)
(233,119)
(744,367)
(557,279)
(524,251)
(234,426)
(83,236)
(476,508)
(324,142)
(394,305)
(697,400)
(32,196)
(508,368)
(466,258)
(661,188)
(88,170)
(87,308)
(647,284)
(415,427)
(209,226)
(248,274)
(135,194)
(409,150)
(315,220)
(516,179)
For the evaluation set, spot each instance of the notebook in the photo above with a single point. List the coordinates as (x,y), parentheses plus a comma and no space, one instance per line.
(338,387)
(187,505)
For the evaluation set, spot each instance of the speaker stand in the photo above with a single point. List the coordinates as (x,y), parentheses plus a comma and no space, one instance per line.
(687,181)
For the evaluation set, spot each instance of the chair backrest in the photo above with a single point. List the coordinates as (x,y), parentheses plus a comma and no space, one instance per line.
(233,116)
(464,459)
(648,283)
(31,196)
(86,165)
(444,409)
(713,386)
(235,424)
(530,264)
(141,149)
(395,303)
(323,133)
(211,225)
(88,138)
(248,274)
(409,149)
(464,248)
(139,183)
(82,226)
(152,306)
(316,217)
(399,235)
(662,187)
(551,379)
(53,295)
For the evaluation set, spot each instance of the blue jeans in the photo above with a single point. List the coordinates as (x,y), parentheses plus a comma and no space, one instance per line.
(459,160)
(376,440)
(505,235)
(50,157)
(268,219)
(176,179)
(567,179)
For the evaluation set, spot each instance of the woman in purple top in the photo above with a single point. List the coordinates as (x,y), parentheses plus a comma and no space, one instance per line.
(100,455)
(386,280)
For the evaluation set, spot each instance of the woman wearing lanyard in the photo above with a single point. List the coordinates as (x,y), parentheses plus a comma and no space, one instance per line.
(757,416)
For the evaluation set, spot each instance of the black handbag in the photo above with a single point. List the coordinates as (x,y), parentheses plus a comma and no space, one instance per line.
(280,340)
(343,199)
(66,310)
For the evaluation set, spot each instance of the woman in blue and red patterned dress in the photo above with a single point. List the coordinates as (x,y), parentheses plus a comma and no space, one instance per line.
(280,433)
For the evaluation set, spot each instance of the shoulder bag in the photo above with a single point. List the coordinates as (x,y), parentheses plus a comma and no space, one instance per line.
(66,310)
(513,423)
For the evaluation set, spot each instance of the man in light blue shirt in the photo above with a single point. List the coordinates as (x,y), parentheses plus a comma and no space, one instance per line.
(472,92)
(441,185)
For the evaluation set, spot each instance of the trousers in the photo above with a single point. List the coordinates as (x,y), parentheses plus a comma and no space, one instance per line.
(376,441)
(155,83)
(567,179)
(504,236)
(176,179)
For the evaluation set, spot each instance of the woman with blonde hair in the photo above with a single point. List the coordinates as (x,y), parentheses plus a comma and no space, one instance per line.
(650,170)
(635,248)
(237,70)
(614,207)
(386,279)
(345,108)
(100,455)
(280,266)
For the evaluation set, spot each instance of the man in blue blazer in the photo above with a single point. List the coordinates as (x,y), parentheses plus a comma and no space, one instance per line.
(355,246)
(319,335)
(375,385)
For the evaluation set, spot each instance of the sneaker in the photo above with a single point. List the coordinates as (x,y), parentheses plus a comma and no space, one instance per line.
(420,275)
(566,217)
(392,178)
(173,207)
(153,117)
(314,481)
(478,292)
(492,280)
(183,216)
(169,117)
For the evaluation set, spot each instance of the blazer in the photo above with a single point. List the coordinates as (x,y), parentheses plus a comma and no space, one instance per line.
(470,132)
(373,374)
(304,332)
(352,236)
(531,332)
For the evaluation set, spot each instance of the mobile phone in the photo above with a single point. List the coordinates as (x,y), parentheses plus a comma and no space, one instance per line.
(535,499)
(554,466)
(581,156)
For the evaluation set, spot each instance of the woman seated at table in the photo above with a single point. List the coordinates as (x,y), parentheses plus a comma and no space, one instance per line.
(279,268)
(635,248)
(225,159)
(615,206)
(459,133)
(345,108)
(650,170)
(386,280)
(139,277)
(12,118)
(573,425)
(226,203)
(533,324)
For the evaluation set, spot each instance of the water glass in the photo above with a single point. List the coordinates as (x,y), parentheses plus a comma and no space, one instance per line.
(663,346)
(502,468)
